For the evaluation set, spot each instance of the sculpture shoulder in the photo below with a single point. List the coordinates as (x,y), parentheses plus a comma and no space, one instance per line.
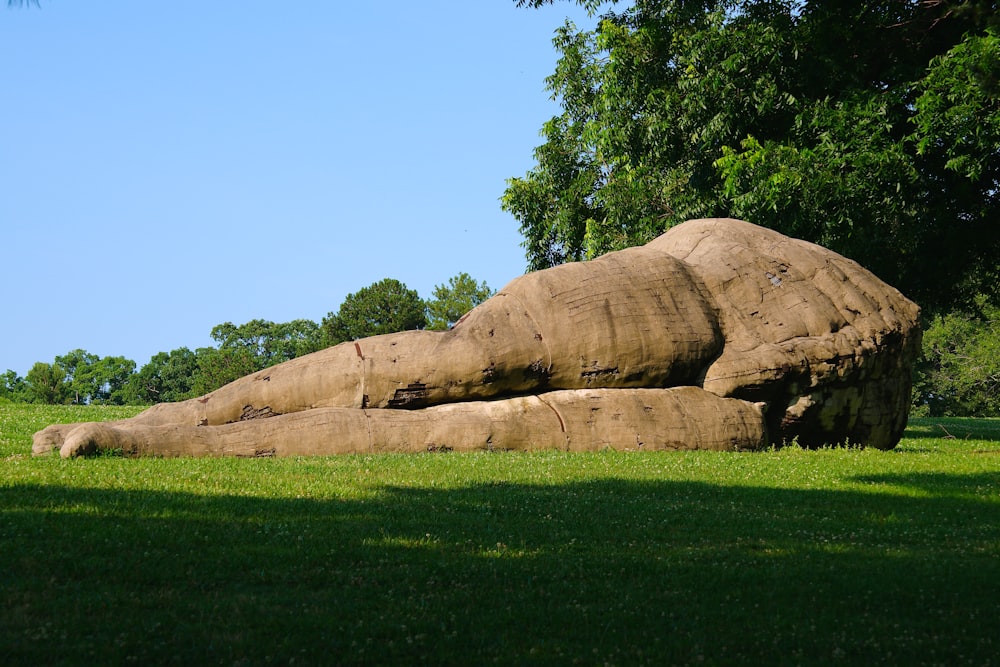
(746,265)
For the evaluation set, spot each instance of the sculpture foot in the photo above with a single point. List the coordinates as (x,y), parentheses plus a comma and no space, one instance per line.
(90,438)
(50,438)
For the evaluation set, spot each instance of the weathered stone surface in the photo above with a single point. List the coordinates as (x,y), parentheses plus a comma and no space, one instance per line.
(823,342)
(719,334)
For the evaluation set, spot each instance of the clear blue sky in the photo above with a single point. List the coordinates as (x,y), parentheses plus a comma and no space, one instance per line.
(166,166)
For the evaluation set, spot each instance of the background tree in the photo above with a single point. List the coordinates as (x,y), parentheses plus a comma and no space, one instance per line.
(455,299)
(46,383)
(386,306)
(217,367)
(168,377)
(269,343)
(293,339)
(91,379)
(109,378)
(250,347)
(870,128)
(13,388)
(77,376)
(959,371)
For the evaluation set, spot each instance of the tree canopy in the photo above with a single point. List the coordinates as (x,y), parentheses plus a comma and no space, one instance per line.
(75,377)
(383,307)
(871,128)
(269,342)
(90,378)
(455,299)
(959,371)
(168,377)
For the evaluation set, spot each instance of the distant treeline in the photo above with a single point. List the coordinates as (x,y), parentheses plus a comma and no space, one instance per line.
(958,373)
(383,307)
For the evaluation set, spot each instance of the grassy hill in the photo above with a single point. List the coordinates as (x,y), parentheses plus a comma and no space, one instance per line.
(780,557)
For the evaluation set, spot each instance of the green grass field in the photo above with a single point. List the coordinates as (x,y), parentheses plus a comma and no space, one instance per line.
(835,556)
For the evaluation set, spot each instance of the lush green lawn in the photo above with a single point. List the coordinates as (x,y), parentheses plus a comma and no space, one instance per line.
(837,556)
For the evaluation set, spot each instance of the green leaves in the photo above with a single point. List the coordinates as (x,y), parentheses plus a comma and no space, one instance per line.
(872,129)
(218,367)
(270,343)
(959,371)
(454,300)
(589,5)
(47,384)
(169,376)
(958,110)
(75,377)
(838,178)
(383,307)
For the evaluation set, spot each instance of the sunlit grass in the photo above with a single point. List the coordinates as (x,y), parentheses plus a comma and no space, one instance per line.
(779,557)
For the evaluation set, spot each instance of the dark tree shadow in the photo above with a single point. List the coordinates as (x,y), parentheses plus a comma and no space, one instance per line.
(953,428)
(942,485)
(598,572)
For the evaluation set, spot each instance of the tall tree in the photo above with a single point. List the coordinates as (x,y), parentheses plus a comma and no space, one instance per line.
(958,373)
(78,375)
(46,383)
(109,378)
(250,347)
(92,379)
(455,299)
(217,367)
(12,387)
(270,343)
(386,306)
(871,128)
(167,377)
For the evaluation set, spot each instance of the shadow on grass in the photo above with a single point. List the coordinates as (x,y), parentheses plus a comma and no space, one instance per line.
(600,572)
(953,428)
(941,485)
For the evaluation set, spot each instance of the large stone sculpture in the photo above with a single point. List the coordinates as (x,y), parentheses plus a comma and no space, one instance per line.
(717,335)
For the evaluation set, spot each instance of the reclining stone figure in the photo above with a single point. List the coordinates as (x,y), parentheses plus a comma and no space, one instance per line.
(717,335)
